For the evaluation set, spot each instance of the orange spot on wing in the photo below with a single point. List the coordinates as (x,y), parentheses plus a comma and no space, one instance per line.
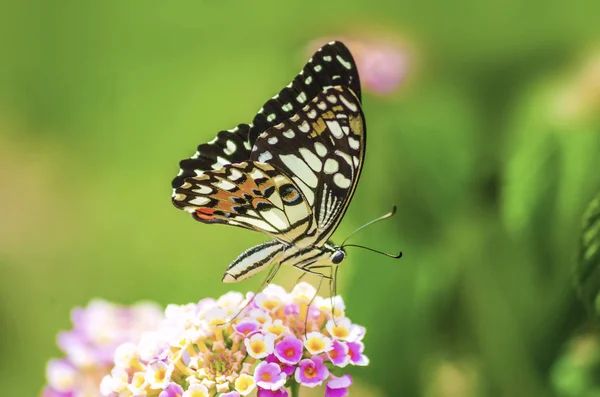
(205,213)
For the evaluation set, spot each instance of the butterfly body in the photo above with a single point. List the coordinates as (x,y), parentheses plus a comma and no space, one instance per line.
(290,174)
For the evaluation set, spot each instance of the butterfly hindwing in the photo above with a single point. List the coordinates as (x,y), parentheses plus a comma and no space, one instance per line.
(251,195)
(321,148)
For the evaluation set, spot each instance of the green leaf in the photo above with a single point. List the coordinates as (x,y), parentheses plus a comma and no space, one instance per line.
(587,275)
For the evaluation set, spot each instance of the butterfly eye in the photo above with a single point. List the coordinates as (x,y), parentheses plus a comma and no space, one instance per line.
(337,257)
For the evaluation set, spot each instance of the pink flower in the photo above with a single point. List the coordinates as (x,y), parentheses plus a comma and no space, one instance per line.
(172,390)
(287,369)
(338,355)
(90,345)
(247,326)
(311,372)
(48,392)
(270,393)
(382,64)
(338,387)
(289,350)
(269,376)
(230,394)
(355,352)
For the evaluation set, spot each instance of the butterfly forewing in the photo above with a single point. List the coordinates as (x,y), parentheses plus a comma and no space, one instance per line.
(330,65)
(321,148)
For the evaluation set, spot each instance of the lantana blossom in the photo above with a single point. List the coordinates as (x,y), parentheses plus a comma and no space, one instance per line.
(235,346)
(99,331)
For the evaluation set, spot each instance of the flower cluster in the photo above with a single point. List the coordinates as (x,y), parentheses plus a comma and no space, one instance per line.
(97,331)
(231,347)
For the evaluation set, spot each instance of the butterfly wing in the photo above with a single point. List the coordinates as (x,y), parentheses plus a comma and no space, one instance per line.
(321,149)
(251,195)
(331,65)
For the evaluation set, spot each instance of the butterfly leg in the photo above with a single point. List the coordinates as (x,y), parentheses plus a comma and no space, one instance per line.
(332,284)
(307,269)
(265,282)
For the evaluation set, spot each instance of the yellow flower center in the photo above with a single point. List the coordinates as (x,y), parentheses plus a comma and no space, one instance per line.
(340,332)
(244,383)
(315,344)
(258,347)
(270,305)
(310,372)
(276,329)
(138,379)
(160,374)
(289,352)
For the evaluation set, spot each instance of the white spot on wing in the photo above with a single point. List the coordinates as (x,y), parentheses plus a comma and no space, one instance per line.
(234,174)
(225,185)
(272,140)
(335,128)
(331,166)
(202,190)
(220,163)
(289,134)
(320,149)
(299,168)
(301,98)
(349,105)
(354,144)
(264,157)
(341,181)
(200,201)
(256,174)
(304,127)
(230,149)
(311,159)
(344,63)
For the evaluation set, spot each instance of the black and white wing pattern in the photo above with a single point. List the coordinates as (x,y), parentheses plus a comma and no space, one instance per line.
(321,148)
(331,65)
(291,173)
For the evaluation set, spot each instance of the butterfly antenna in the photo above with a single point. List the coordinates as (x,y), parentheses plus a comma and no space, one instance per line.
(388,215)
(374,250)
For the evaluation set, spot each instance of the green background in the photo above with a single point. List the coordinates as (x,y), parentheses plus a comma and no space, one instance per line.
(100,100)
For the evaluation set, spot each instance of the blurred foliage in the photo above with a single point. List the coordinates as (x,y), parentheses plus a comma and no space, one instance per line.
(491,150)
(588,271)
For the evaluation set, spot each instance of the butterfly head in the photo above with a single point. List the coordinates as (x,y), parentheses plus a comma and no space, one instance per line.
(338,255)
(334,254)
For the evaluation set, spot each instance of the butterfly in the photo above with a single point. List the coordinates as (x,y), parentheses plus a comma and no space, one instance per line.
(289,174)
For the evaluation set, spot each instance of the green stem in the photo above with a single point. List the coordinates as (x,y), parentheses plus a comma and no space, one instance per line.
(295,389)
